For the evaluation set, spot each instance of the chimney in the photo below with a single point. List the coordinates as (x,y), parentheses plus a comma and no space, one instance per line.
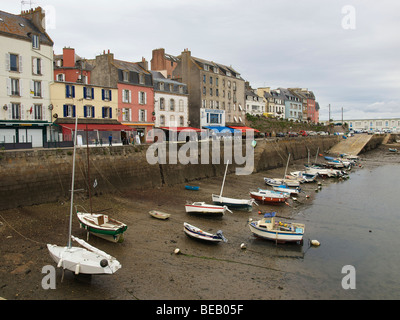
(69,57)
(144,64)
(158,59)
(37,16)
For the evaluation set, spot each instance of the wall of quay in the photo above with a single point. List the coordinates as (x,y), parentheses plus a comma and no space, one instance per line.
(44,175)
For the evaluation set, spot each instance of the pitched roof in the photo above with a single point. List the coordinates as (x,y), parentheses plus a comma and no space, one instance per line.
(15,26)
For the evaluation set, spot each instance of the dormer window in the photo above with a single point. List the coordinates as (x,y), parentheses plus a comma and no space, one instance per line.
(35,41)
(206,67)
(141,78)
(216,70)
(125,75)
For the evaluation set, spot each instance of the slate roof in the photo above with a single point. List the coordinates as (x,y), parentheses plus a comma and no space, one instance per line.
(18,27)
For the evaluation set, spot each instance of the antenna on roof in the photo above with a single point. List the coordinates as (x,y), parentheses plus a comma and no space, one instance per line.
(27,2)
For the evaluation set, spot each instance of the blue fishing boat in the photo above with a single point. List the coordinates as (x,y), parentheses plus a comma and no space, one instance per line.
(193,188)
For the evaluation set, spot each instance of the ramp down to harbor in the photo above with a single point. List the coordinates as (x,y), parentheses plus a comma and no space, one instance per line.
(356,144)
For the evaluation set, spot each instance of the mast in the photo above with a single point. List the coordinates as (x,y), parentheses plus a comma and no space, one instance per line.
(88,163)
(287,164)
(72,184)
(223,182)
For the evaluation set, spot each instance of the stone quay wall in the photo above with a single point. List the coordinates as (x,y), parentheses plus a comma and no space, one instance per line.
(44,175)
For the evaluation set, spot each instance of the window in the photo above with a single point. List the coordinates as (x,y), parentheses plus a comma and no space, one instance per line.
(211,81)
(142,115)
(162,104)
(36,66)
(69,111)
(162,120)
(37,112)
(15,111)
(234,86)
(106,113)
(216,81)
(125,76)
(181,121)
(88,93)
(14,62)
(215,70)
(88,111)
(14,87)
(126,114)
(204,78)
(171,88)
(141,78)
(126,96)
(61,77)
(37,89)
(172,121)
(217,92)
(180,89)
(206,67)
(142,97)
(35,41)
(162,86)
(211,91)
(106,95)
(69,91)
(172,105)
(214,118)
(180,105)
(204,90)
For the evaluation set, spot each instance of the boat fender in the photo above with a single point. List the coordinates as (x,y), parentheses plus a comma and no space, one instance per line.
(177,251)
(77,269)
(315,243)
(243,246)
(104,263)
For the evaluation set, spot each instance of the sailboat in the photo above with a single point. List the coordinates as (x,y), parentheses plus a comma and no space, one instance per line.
(231,202)
(100,225)
(86,259)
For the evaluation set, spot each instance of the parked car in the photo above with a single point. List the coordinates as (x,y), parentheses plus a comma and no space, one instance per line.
(303,133)
(293,134)
(280,134)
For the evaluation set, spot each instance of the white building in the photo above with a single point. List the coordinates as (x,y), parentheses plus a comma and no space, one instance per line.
(170,102)
(26,72)
(255,104)
(392,124)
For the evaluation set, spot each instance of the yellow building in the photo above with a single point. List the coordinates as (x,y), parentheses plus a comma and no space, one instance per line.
(96,108)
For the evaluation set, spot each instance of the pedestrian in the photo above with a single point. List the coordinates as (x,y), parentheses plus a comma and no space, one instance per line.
(110,140)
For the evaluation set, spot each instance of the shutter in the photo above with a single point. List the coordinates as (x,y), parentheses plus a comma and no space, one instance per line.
(145,98)
(7,62)
(130,96)
(103,110)
(22,112)
(145,115)
(85,93)
(34,65)
(110,110)
(73,112)
(93,115)
(21,88)
(44,117)
(33,112)
(92,93)
(102,97)
(65,110)
(73,91)
(41,65)
(110,96)
(123,96)
(130,114)
(9,111)
(20,63)
(67,94)
(84,110)
(32,88)
(42,89)
(8,86)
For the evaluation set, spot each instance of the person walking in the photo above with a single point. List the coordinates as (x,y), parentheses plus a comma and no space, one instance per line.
(110,140)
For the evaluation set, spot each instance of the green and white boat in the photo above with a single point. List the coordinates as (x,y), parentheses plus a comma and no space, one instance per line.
(102,226)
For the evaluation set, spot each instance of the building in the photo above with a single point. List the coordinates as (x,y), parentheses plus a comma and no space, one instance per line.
(163,62)
(255,104)
(276,103)
(309,108)
(211,86)
(96,108)
(293,105)
(385,124)
(70,67)
(170,102)
(135,90)
(26,75)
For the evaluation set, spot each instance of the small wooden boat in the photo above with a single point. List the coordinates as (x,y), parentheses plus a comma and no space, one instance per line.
(286,189)
(102,226)
(279,231)
(277,182)
(202,207)
(392,149)
(197,233)
(159,214)
(303,175)
(193,188)
(269,196)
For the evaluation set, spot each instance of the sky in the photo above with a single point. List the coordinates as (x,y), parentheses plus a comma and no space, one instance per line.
(346,52)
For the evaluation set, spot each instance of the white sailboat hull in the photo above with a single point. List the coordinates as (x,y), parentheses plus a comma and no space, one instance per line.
(80,260)
(231,202)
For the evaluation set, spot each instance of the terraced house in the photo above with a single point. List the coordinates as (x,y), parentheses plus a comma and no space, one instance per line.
(25,75)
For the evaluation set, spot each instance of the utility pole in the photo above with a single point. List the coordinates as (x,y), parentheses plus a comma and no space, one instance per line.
(329,119)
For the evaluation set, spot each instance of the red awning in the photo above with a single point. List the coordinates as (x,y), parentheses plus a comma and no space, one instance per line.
(178,129)
(243,129)
(98,127)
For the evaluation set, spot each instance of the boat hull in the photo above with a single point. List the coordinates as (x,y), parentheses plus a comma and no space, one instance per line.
(232,203)
(199,234)
(112,231)
(205,208)
(275,235)
(268,198)
(82,261)
(159,214)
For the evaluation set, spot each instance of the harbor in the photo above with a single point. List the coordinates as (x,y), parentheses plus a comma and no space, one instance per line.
(354,227)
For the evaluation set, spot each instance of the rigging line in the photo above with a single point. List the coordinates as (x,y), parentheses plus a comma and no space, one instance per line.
(26,238)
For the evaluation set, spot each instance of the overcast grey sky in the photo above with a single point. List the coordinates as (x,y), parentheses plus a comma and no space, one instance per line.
(272,43)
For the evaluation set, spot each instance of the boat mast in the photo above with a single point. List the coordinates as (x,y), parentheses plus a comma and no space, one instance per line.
(223,182)
(287,164)
(72,184)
